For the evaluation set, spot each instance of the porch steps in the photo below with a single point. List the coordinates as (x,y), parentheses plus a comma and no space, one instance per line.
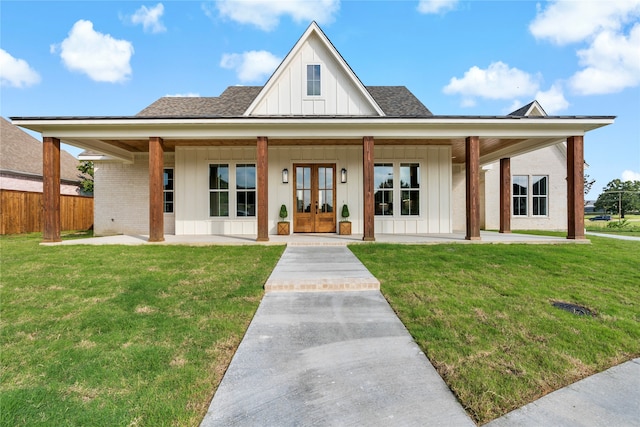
(320,268)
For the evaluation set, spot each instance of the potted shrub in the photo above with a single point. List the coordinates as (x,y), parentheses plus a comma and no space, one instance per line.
(283,225)
(345,224)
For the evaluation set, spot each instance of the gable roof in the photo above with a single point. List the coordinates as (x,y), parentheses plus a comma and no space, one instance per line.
(531,109)
(395,101)
(315,34)
(21,154)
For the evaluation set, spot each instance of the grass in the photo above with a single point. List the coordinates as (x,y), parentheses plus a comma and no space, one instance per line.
(141,335)
(629,226)
(483,313)
(121,335)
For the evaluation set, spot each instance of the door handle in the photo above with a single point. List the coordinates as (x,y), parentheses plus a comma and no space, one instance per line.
(316,208)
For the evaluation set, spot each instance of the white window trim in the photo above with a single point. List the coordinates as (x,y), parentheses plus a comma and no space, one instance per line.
(530,196)
(539,196)
(397,190)
(305,82)
(169,191)
(233,197)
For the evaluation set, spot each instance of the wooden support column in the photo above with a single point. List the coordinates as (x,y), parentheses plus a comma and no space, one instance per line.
(575,188)
(156,189)
(263,188)
(51,189)
(505,195)
(367,178)
(472,165)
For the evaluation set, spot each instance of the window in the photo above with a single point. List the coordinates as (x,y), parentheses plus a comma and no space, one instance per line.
(313,80)
(539,194)
(168,190)
(218,190)
(383,187)
(410,189)
(520,185)
(246,190)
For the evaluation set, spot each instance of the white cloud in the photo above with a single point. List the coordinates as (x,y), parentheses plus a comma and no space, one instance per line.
(611,33)
(183,95)
(570,21)
(612,63)
(100,56)
(250,66)
(266,14)
(150,18)
(16,72)
(498,81)
(552,100)
(436,6)
(630,176)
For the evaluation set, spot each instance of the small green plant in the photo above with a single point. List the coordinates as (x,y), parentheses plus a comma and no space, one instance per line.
(345,212)
(283,212)
(618,224)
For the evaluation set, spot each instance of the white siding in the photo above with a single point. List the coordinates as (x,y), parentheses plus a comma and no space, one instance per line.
(192,203)
(435,189)
(339,94)
(192,191)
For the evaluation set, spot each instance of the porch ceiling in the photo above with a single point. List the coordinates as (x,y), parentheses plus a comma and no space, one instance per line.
(491,149)
(499,136)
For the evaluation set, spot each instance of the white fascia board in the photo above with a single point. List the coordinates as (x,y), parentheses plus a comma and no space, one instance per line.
(312,128)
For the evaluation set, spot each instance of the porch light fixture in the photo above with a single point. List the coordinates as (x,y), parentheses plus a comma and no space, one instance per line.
(343,176)
(285,176)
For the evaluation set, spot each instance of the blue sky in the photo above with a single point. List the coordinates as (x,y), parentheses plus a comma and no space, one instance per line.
(110,58)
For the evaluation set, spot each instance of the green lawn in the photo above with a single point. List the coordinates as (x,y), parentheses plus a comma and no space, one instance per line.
(141,335)
(121,335)
(483,313)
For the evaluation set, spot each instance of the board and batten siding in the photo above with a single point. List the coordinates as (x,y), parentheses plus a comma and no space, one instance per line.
(435,189)
(339,95)
(192,193)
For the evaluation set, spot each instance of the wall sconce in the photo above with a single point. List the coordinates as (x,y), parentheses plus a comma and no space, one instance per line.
(285,176)
(343,176)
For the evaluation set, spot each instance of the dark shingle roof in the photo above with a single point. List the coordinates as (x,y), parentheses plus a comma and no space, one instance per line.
(522,110)
(395,101)
(398,101)
(22,153)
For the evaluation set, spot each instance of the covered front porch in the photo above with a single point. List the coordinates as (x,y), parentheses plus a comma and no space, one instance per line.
(315,239)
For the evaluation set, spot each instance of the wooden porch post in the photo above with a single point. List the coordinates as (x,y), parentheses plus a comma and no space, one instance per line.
(156,189)
(505,195)
(472,165)
(263,188)
(51,189)
(575,187)
(367,178)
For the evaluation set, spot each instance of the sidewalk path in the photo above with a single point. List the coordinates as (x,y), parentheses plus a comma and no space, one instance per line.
(331,359)
(610,398)
(613,236)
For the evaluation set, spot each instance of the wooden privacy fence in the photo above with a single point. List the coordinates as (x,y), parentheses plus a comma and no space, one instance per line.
(21,212)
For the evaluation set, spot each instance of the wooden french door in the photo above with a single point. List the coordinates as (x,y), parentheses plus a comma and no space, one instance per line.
(314,198)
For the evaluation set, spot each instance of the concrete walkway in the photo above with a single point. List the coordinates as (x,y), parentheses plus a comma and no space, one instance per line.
(320,268)
(331,359)
(345,359)
(610,398)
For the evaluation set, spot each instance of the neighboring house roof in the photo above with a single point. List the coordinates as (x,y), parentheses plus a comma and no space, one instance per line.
(531,109)
(21,155)
(395,101)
